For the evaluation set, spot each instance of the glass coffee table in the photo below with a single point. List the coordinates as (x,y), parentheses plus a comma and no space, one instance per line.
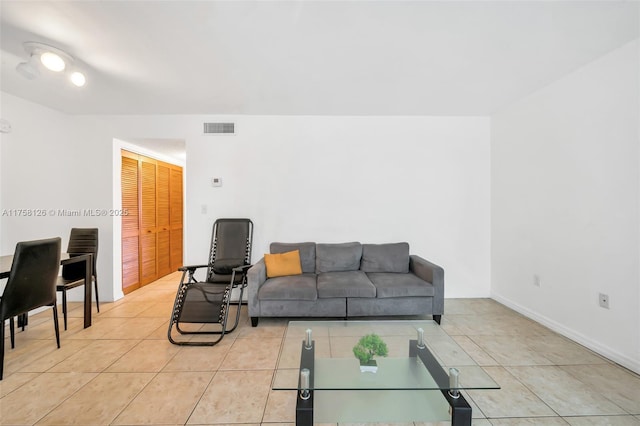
(419,380)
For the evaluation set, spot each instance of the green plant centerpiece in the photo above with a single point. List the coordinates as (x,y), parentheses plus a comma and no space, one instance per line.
(368,347)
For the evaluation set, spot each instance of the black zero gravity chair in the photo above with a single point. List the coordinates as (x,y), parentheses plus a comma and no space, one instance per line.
(208,302)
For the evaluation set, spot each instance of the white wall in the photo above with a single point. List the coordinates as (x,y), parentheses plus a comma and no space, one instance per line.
(565,193)
(49,163)
(337,179)
(424,180)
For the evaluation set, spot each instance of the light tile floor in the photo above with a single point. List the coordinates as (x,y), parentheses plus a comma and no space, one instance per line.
(123,371)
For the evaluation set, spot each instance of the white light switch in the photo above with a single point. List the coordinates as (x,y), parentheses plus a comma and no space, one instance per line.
(216,181)
(5,126)
(203,209)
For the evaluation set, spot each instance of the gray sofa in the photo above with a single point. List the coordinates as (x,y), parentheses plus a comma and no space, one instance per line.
(348,280)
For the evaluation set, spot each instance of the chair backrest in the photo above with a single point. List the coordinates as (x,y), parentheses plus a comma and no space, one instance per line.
(81,241)
(230,245)
(32,280)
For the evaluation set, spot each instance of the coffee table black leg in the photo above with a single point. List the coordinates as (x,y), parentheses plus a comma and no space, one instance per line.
(304,410)
(304,402)
(460,408)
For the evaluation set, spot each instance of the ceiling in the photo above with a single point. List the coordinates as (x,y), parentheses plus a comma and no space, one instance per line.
(307,57)
(175,149)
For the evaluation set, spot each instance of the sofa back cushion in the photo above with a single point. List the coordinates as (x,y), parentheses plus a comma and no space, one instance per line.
(392,257)
(307,254)
(338,257)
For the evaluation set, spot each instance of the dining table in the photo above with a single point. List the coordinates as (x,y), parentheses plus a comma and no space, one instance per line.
(65,259)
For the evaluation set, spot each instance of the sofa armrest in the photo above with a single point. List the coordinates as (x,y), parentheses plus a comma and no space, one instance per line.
(433,274)
(256,276)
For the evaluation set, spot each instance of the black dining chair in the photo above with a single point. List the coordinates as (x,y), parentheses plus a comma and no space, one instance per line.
(31,284)
(81,241)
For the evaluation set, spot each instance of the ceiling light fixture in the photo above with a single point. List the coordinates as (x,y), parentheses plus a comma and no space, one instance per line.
(29,69)
(50,58)
(52,61)
(78,79)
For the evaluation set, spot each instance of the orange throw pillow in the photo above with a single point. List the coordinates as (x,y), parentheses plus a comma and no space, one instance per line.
(282,264)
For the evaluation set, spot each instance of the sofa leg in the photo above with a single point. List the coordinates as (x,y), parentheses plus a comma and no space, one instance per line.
(254,321)
(437,318)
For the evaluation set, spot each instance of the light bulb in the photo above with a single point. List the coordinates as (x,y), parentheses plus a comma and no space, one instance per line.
(52,61)
(78,79)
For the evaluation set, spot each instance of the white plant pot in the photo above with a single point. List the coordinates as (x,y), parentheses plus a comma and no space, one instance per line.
(370,367)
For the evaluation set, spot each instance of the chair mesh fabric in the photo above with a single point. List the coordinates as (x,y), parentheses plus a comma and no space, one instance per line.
(230,248)
(203,303)
(208,302)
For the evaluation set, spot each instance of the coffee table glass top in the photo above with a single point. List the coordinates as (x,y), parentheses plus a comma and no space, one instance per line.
(337,368)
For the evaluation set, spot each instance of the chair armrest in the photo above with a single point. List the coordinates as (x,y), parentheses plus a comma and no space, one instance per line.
(191,268)
(241,268)
(256,276)
(433,274)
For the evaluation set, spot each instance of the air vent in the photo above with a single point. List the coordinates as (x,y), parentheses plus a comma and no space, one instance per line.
(219,127)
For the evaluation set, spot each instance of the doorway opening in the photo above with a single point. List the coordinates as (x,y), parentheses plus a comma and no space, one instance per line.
(149,176)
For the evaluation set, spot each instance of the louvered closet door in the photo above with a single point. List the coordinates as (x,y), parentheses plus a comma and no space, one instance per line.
(148,222)
(176,207)
(130,228)
(163,233)
(152,231)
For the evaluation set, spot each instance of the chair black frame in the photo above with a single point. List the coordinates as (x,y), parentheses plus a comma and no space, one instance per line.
(81,241)
(31,284)
(217,287)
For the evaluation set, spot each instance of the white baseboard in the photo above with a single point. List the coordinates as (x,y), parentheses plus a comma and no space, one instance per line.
(599,348)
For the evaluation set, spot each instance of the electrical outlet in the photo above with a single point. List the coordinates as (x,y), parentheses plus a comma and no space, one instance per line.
(603,300)
(536,280)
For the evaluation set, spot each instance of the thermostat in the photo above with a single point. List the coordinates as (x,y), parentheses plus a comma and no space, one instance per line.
(216,181)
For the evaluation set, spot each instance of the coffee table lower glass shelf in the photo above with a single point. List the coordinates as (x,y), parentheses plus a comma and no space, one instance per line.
(419,380)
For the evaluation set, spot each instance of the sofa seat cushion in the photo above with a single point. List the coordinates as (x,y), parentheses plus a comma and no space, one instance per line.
(345,284)
(293,287)
(399,285)
(338,257)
